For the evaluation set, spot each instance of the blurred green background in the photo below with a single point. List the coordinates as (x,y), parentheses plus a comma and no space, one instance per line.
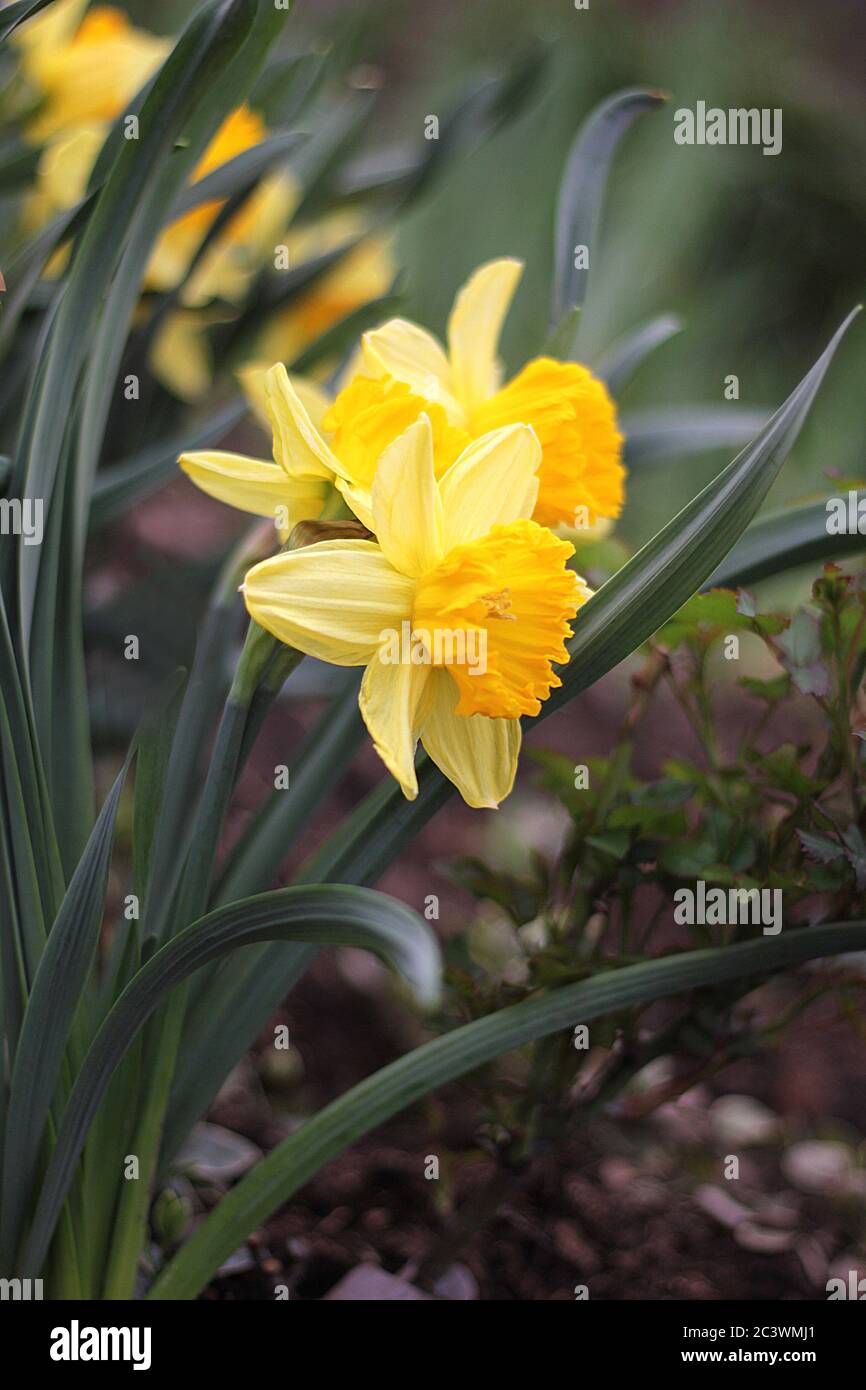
(761,256)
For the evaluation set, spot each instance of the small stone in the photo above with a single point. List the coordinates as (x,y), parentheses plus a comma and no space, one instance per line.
(214,1154)
(818,1165)
(762,1240)
(369,1284)
(458,1284)
(572,1246)
(721,1206)
(617,1174)
(743,1121)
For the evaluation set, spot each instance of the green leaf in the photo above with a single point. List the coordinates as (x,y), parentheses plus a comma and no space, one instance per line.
(781,541)
(582,191)
(23,272)
(57,988)
(237,173)
(618,365)
(133,193)
(657,436)
(319,916)
(375,1100)
(15,14)
(229,1008)
(325,759)
(123,484)
(614,842)
(819,847)
(214,62)
(671,567)
(799,651)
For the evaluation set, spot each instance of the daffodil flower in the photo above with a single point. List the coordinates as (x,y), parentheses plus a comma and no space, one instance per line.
(363,273)
(84,67)
(457,610)
(581,477)
(402,371)
(180,356)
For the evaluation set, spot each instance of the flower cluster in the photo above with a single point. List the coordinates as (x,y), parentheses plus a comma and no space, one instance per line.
(82,68)
(452,484)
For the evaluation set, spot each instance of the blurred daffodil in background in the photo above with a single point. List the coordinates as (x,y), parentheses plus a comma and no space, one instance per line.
(82,67)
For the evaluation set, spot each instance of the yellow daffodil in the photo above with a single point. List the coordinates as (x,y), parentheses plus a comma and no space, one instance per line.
(406,370)
(180,354)
(246,239)
(457,610)
(403,372)
(364,273)
(84,67)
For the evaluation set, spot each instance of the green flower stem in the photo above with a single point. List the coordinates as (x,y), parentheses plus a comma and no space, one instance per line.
(127,1238)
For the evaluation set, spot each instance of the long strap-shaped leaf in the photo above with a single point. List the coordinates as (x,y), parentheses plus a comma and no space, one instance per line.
(63,969)
(292,1163)
(671,567)
(188,73)
(321,916)
(618,364)
(797,536)
(15,14)
(658,436)
(582,190)
(226,1013)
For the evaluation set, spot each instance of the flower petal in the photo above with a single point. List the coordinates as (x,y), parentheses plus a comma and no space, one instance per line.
(331,600)
(253,485)
(313,398)
(298,446)
(390,698)
(180,356)
(479,755)
(474,328)
(407,510)
(403,350)
(492,483)
(358,501)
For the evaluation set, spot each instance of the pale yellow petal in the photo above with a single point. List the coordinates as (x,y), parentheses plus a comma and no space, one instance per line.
(180,357)
(298,445)
(358,500)
(474,329)
(253,485)
(407,510)
(245,244)
(332,600)
(65,166)
(391,694)
(403,350)
(315,400)
(479,755)
(51,28)
(492,483)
